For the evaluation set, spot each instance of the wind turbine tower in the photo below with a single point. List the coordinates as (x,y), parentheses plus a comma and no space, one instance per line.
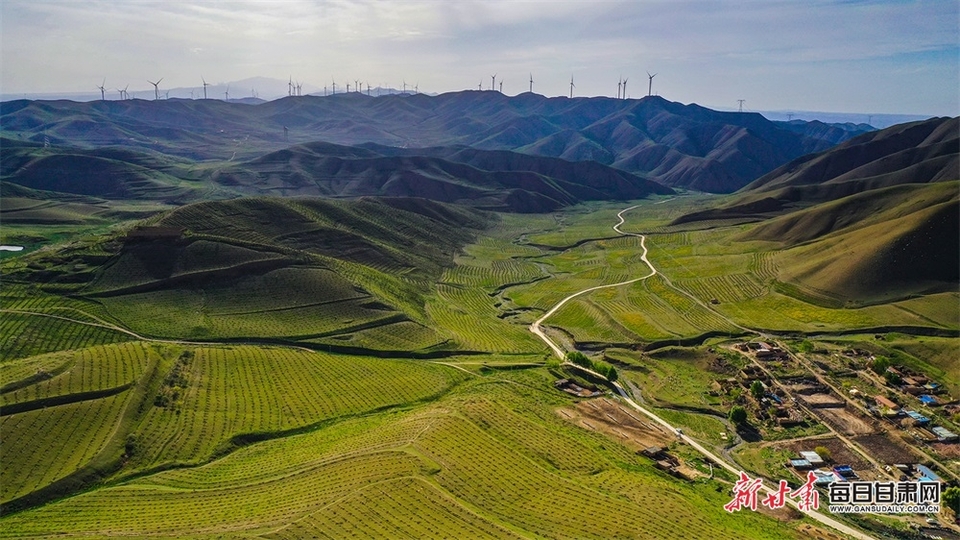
(619,85)
(334,82)
(650,85)
(205,85)
(156,88)
(625,89)
(102,95)
(226,94)
(572,86)
(493,82)
(501,86)
(531,83)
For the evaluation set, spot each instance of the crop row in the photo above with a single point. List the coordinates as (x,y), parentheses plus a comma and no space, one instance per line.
(764,265)
(187,313)
(587,322)
(398,336)
(405,507)
(24,335)
(237,390)
(148,510)
(725,288)
(94,368)
(469,316)
(43,445)
(511,488)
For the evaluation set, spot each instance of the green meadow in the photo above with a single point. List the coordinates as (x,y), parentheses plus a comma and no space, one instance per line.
(256,380)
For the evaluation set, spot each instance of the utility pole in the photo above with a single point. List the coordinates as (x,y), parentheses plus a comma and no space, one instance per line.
(740,101)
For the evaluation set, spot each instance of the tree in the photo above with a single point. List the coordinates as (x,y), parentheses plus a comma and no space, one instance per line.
(823,452)
(880,364)
(738,415)
(757,390)
(579,359)
(951,499)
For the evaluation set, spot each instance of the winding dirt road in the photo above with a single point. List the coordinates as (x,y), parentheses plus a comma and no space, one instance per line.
(536,329)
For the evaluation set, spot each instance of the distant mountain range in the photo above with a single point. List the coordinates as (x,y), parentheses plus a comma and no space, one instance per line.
(677,145)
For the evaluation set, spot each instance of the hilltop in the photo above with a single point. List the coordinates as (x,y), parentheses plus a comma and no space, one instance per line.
(678,145)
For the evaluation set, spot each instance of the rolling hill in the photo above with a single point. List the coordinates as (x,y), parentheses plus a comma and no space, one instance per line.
(505,181)
(277,270)
(677,145)
(871,220)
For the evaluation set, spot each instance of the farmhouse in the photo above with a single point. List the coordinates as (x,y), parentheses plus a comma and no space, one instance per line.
(944,435)
(812,457)
(927,475)
(884,403)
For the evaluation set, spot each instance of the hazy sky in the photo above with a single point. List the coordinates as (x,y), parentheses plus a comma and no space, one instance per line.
(846,56)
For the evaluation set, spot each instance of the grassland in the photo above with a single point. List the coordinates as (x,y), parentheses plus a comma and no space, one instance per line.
(273,432)
(490,459)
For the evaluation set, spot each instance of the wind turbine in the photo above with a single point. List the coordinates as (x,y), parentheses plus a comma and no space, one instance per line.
(125,93)
(619,84)
(226,94)
(102,97)
(404,86)
(501,86)
(356,85)
(368,88)
(493,82)
(650,85)
(572,86)
(625,89)
(480,86)
(290,86)
(121,93)
(416,88)
(166,95)
(334,81)
(156,88)
(531,83)
(205,85)
(348,88)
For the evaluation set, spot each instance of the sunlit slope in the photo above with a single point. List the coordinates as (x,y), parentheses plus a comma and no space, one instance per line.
(487,460)
(913,254)
(312,271)
(872,220)
(118,409)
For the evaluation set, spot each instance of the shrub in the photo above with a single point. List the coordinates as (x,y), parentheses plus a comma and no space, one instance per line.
(738,415)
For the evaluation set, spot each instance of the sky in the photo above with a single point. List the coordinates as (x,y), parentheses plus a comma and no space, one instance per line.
(881,57)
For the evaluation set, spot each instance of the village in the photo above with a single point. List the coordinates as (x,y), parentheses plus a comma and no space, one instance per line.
(844,414)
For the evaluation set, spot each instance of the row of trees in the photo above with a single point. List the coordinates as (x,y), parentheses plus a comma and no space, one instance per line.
(597,366)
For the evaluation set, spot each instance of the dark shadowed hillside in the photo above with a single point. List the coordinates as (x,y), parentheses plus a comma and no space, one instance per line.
(493,180)
(678,145)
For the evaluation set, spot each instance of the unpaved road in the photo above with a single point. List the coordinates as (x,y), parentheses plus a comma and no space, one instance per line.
(538,331)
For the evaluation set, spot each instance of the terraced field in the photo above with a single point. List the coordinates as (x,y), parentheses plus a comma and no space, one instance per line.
(484,461)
